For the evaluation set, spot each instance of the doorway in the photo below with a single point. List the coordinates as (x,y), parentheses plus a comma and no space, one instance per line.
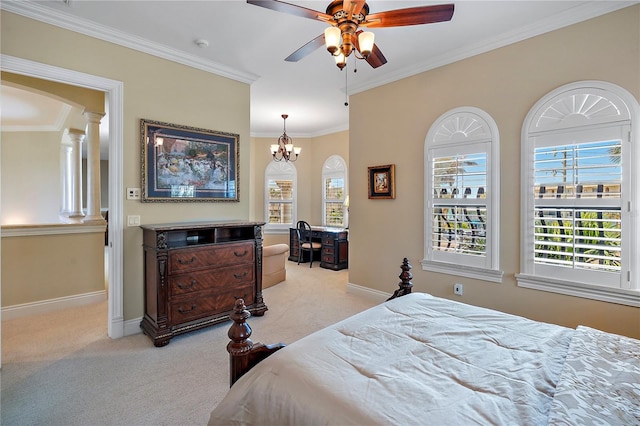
(114,102)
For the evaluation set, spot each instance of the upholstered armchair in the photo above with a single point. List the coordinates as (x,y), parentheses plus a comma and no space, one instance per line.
(274,258)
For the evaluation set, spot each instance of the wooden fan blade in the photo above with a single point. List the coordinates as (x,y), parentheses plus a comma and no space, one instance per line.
(411,16)
(306,49)
(375,58)
(291,9)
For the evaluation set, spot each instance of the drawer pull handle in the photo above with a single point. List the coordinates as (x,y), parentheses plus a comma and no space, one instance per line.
(186,311)
(242,275)
(244,253)
(187,262)
(186,286)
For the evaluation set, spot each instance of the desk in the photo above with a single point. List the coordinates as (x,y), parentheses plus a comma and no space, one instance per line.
(335,247)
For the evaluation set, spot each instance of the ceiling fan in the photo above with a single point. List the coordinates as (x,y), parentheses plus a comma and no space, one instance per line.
(346,17)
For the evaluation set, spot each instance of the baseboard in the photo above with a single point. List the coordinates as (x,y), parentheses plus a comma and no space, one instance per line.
(52,305)
(376,295)
(132,326)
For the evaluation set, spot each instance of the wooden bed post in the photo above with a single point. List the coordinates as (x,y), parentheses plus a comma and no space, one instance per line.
(405,283)
(243,353)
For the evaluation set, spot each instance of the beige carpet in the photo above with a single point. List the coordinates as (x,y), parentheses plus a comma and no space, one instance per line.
(62,369)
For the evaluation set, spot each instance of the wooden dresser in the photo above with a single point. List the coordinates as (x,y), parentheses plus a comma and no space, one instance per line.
(194,272)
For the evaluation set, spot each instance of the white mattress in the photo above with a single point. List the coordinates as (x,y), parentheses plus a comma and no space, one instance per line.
(417,359)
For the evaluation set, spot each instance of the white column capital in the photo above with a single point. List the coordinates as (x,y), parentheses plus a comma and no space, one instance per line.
(76,134)
(94,117)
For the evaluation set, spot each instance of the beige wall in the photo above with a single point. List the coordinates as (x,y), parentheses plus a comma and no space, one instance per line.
(309,167)
(505,83)
(155,89)
(30,168)
(51,266)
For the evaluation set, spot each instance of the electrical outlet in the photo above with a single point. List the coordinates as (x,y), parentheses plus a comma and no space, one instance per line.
(133,193)
(458,289)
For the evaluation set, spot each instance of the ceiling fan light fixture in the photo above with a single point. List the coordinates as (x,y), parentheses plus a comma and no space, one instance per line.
(365,41)
(346,16)
(332,38)
(341,60)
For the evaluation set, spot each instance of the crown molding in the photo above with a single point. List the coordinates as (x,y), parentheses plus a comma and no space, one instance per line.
(328,131)
(571,16)
(53,17)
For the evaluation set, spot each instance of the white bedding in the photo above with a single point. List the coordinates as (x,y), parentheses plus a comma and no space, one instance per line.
(417,359)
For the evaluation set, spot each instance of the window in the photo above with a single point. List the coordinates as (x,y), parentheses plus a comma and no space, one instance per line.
(577,192)
(280,195)
(334,192)
(461,195)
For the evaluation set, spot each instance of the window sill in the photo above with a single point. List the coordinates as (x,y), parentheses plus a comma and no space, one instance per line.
(604,294)
(463,271)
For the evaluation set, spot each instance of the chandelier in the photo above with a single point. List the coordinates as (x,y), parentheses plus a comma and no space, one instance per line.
(344,38)
(284,149)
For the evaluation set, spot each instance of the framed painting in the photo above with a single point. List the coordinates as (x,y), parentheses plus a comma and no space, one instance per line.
(188,164)
(382,181)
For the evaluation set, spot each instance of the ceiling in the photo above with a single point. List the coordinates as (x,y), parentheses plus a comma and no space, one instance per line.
(249,43)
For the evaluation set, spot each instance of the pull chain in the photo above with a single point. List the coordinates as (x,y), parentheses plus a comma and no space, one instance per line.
(346,87)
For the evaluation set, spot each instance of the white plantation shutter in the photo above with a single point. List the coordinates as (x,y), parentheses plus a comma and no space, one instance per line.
(280,196)
(334,192)
(462,195)
(578,187)
(459,213)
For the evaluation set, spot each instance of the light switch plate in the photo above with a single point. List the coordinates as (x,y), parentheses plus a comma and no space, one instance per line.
(133,193)
(133,220)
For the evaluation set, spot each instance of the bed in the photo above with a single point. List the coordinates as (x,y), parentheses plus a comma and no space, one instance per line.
(420,359)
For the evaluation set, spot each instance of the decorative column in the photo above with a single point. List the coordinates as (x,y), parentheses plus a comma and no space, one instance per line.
(76,137)
(93,167)
(66,180)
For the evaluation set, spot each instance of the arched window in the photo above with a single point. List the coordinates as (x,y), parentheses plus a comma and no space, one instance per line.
(335,207)
(462,195)
(580,180)
(281,184)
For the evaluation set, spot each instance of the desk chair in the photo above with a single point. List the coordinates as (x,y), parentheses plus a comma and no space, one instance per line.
(303,229)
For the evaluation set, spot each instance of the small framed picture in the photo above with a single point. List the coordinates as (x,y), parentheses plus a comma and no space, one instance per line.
(382,181)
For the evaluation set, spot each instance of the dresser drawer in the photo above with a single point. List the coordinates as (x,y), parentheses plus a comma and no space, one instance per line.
(192,259)
(192,308)
(328,258)
(216,278)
